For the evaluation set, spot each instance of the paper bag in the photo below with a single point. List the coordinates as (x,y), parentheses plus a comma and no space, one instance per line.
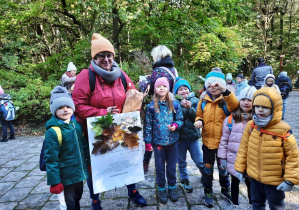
(133,101)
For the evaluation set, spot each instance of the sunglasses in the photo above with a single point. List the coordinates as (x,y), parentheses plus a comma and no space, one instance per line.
(104,55)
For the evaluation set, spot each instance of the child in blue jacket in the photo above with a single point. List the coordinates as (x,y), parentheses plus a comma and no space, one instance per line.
(66,161)
(163,118)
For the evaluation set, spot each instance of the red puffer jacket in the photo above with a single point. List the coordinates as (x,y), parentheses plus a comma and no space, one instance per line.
(103,96)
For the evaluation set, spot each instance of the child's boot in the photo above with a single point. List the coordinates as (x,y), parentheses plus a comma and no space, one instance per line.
(96,205)
(186,185)
(137,198)
(209,201)
(225,192)
(12,136)
(4,139)
(162,194)
(172,193)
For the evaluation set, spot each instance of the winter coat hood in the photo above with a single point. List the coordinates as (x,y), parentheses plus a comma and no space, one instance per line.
(260,98)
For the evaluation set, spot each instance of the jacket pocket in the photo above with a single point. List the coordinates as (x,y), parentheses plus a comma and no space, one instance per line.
(68,162)
(69,168)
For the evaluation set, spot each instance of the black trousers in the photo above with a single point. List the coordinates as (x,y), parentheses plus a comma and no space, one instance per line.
(235,189)
(72,195)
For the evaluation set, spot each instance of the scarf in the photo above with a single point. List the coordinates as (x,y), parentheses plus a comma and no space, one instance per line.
(261,122)
(108,76)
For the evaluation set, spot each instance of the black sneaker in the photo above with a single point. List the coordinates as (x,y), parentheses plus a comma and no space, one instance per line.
(225,192)
(137,198)
(162,195)
(208,201)
(12,137)
(96,205)
(172,194)
(186,185)
(4,139)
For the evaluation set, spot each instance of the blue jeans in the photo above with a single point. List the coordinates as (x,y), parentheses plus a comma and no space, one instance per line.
(262,192)
(193,147)
(4,125)
(284,107)
(93,196)
(209,157)
(166,154)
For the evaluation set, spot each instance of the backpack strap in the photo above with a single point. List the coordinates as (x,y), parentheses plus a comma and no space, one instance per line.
(92,80)
(58,132)
(203,104)
(230,122)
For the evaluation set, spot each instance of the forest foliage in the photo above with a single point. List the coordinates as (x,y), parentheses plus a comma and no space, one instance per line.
(39,38)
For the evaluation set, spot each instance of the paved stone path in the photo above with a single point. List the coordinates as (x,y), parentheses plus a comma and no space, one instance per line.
(24,186)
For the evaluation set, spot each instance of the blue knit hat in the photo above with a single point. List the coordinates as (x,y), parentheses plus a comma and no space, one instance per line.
(214,76)
(181,82)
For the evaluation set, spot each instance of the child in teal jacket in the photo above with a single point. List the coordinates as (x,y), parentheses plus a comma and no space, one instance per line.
(67,161)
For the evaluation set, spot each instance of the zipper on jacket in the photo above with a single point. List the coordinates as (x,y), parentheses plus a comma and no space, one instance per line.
(259,157)
(79,149)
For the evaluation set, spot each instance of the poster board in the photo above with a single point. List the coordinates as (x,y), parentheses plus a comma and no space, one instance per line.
(122,163)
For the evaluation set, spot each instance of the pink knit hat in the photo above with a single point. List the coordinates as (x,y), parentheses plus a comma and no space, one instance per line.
(162,81)
(1,90)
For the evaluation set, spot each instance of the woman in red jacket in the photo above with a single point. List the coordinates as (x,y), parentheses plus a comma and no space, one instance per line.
(108,96)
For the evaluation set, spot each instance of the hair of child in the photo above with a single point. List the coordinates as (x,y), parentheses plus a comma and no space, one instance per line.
(238,117)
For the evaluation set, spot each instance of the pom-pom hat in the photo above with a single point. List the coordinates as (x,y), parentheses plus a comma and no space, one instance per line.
(71,67)
(229,76)
(213,77)
(100,44)
(60,97)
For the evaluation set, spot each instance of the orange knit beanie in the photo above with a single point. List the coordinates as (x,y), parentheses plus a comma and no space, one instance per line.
(100,44)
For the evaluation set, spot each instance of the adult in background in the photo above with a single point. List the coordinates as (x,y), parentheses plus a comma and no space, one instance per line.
(259,73)
(108,96)
(163,67)
(69,77)
(285,86)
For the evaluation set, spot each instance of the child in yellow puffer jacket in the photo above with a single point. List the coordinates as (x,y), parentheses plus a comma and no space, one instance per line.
(268,152)
(210,114)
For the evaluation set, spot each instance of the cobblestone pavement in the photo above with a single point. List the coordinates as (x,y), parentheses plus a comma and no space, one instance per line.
(24,186)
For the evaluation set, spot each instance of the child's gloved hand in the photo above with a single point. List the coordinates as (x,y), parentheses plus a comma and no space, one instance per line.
(148,147)
(240,176)
(56,189)
(285,186)
(223,163)
(198,124)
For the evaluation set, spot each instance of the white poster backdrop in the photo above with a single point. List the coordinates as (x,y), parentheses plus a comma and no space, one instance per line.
(120,166)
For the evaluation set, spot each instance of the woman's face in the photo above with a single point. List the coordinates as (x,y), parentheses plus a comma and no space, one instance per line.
(104,60)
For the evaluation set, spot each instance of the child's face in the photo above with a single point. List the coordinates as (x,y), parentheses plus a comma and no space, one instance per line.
(229,81)
(161,91)
(239,80)
(245,105)
(262,112)
(73,72)
(64,113)
(270,81)
(214,91)
(183,91)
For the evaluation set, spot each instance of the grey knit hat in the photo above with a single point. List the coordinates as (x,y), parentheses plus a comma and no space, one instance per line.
(247,92)
(59,98)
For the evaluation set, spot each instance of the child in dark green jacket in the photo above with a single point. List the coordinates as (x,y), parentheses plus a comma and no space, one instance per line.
(67,160)
(189,135)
